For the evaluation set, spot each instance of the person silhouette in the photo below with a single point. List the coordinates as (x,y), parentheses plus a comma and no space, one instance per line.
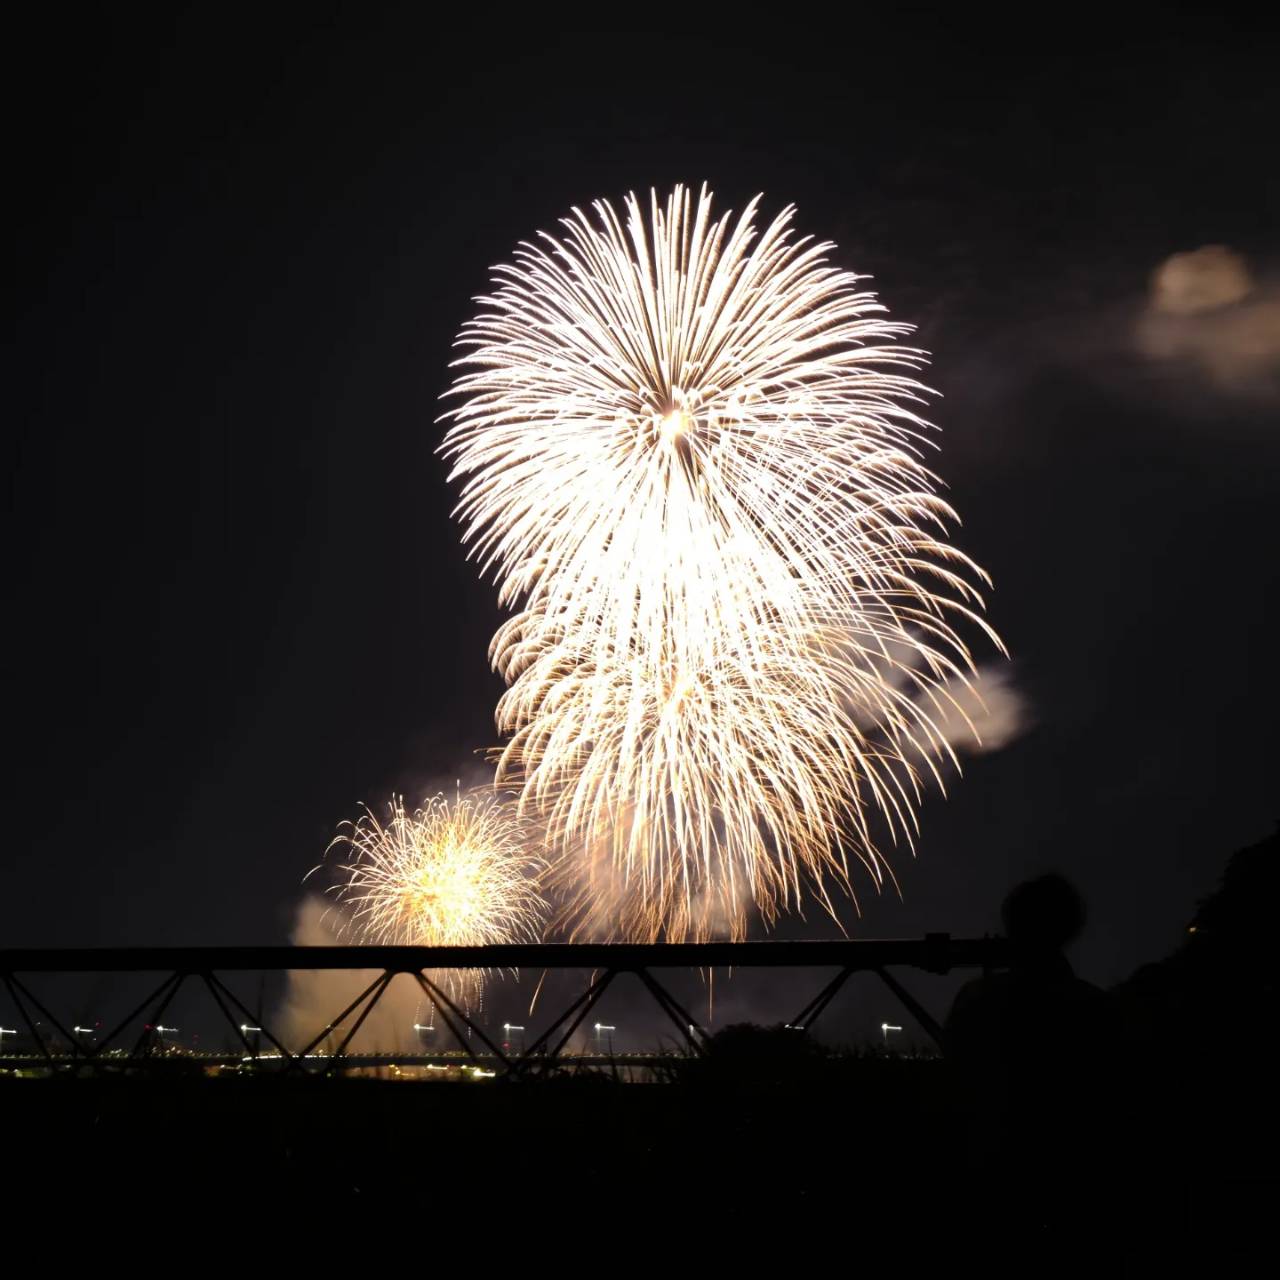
(1028,1041)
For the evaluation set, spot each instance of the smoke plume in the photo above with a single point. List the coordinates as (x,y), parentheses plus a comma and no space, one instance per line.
(1207,314)
(315,997)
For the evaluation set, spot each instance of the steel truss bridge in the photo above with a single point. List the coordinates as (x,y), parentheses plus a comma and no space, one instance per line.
(937,953)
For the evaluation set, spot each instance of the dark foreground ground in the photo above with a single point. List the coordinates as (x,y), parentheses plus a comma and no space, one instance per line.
(1114,1126)
(860,1148)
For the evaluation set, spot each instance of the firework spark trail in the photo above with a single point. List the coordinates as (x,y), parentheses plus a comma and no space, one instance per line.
(691,457)
(448,874)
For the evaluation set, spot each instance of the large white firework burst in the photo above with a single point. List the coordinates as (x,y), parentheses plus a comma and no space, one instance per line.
(691,453)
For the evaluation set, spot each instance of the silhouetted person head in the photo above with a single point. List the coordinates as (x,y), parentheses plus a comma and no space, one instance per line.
(1043,915)
(1031,1040)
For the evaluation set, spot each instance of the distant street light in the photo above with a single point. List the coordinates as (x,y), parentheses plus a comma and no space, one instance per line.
(885,1028)
(605,1027)
(6,1031)
(508,1028)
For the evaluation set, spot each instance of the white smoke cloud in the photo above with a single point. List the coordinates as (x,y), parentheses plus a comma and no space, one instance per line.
(600,901)
(1205,279)
(1207,314)
(316,997)
(982,716)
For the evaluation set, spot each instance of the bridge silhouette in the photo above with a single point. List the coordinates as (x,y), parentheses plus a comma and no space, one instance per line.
(605,963)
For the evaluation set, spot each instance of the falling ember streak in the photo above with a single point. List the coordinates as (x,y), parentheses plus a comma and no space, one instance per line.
(537,991)
(689,454)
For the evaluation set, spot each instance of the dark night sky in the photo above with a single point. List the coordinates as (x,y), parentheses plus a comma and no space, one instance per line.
(239,603)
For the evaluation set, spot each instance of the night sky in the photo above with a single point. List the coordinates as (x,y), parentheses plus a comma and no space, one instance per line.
(239,605)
